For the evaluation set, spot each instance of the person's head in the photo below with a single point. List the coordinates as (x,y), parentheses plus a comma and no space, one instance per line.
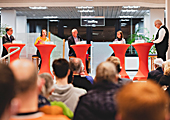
(74,32)
(120,34)
(142,101)
(26,76)
(106,71)
(61,68)
(115,61)
(75,65)
(48,86)
(43,33)
(9,30)
(158,62)
(8,104)
(167,68)
(157,23)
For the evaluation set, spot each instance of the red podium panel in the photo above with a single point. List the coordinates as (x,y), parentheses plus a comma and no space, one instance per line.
(143,51)
(45,51)
(80,51)
(15,55)
(120,50)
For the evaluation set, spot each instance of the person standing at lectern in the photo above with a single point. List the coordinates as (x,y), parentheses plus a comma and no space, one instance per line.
(72,41)
(7,38)
(161,40)
(41,40)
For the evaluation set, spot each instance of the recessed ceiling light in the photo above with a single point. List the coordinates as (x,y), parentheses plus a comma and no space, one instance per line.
(50,17)
(53,20)
(38,7)
(85,11)
(124,20)
(131,7)
(65,26)
(129,10)
(125,16)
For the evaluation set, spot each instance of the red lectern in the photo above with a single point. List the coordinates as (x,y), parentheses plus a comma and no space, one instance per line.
(80,51)
(143,51)
(45,51)
(15,55)
(120,50)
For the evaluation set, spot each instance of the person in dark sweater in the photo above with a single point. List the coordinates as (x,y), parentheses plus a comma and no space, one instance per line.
(156,74)
(78,80)
(165,79)
(99,103)
(161,40)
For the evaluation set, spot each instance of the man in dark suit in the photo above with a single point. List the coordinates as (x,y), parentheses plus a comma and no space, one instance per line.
(161,40)
(72,41)
(155,75)
(7,38)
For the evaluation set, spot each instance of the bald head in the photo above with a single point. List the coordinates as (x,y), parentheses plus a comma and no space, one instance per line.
(74,32)
(106,71)
(75,64)
(157,23)
(25,74)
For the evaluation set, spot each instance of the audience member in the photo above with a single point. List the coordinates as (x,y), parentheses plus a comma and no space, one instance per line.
(116,62)
(98,103)
(156,74)
(53,108)
(27,91)
(8,104)
(165,79)
(142,101)
(62,90)
(79,81)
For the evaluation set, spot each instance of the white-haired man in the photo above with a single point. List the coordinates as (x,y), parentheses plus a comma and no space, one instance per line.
(161,40)
(156,74)
(72,41)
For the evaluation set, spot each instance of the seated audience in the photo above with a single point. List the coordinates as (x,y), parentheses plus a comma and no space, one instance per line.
(27,92)
(142,101)
(8,104)
(156,74)
(116,62)
(78,80)
(62,90)
(165,79)
(98,103)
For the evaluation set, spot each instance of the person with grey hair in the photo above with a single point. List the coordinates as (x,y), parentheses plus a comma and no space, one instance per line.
(165,79)
(78,80)
(161,40)
(98,103)
(72,41)
(156,74)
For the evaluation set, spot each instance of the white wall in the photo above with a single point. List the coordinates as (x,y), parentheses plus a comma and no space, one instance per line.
(168,23)
(21,24)
(147,25)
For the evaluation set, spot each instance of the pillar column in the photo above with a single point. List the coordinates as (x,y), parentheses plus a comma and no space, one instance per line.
(147,24)
(21,24)
(8,18)
(167,5)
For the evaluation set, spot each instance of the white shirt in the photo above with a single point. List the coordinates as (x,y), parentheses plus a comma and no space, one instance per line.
(8,36)
(161,35)
(76,39)
(123,40)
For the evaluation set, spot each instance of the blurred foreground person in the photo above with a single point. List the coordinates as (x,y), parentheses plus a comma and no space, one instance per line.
(142,101)
(27,91)
(98,103)
(8,104)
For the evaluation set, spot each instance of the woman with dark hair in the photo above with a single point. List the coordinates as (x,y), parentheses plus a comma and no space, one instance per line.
(41,40)
(120,37)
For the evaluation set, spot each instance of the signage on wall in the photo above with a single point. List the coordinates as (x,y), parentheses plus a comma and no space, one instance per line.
(92,21)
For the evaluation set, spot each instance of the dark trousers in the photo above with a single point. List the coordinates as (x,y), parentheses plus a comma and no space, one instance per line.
(161,53)
(39,55)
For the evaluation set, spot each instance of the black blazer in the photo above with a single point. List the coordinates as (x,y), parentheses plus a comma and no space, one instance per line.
(6,39)
(72,42)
